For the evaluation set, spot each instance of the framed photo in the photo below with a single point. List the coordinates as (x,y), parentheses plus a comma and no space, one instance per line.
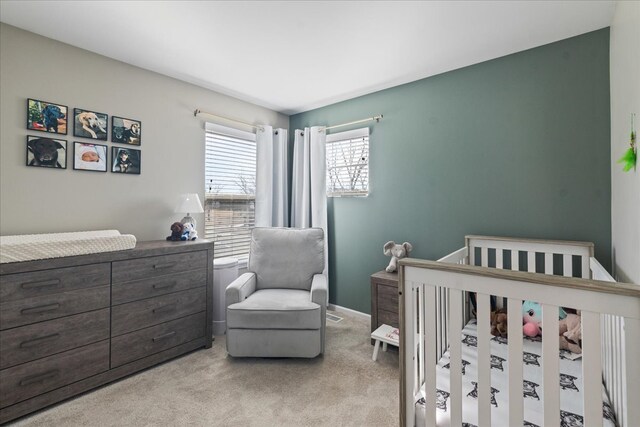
(125,160)
(90,124)
(46,152)
(89,157)
(46,116)
(126,131)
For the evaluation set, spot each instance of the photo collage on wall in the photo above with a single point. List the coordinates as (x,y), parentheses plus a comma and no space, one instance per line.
(51,152)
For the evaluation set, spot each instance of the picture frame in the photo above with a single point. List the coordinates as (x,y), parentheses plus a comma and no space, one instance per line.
(125,160)
(90,157)
(126,131)
(46,152)
(90,124)
(46,116)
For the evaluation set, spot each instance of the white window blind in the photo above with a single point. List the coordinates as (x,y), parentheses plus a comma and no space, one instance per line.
(230,186)
(348,163)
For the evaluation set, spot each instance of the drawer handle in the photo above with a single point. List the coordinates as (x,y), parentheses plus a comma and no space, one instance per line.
(164,336)
(37,341)
(39,378)
(162,266)
(43,284)
(168,307)
(41,309)
(165,285)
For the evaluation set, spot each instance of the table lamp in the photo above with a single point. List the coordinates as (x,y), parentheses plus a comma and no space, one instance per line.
(189,203)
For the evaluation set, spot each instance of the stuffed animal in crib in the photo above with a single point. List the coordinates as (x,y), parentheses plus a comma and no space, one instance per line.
(396,252)
(499,323)
(177,230)
(571,333)
(532,318)
(189,232)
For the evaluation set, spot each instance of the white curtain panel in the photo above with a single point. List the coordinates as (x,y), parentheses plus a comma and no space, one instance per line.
(308,183)
(272,204)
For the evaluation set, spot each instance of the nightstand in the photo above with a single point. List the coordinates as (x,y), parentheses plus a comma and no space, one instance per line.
(384,300)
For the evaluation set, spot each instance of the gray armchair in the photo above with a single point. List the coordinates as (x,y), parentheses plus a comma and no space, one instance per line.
(278,308)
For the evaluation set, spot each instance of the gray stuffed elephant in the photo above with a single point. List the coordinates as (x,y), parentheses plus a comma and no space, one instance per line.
(396,252)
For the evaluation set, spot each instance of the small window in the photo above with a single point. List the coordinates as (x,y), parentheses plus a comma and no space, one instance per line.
(348,163)
(230,189)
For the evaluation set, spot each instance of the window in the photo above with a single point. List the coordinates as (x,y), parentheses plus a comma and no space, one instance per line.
(348,163)
(230,187)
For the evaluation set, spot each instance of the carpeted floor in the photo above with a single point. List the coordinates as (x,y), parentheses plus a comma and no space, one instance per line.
(208,388)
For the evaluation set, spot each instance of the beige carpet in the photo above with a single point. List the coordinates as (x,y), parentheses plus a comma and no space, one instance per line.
(208,388)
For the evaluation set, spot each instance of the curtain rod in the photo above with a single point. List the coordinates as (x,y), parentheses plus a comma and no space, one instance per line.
(369,119)
(198,111)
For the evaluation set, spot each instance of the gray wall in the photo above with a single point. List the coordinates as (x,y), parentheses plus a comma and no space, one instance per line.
(517,146)
(625,98)
(39,200)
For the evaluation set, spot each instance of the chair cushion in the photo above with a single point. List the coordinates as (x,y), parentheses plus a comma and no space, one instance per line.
(286,257)
(275,309)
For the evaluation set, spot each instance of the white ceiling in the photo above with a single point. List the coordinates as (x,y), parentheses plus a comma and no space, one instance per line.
(296,56)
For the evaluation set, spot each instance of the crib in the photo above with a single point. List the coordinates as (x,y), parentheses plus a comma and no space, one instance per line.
(442,347)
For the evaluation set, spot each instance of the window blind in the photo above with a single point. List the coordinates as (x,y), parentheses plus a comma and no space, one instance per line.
(348,163)
(230,186)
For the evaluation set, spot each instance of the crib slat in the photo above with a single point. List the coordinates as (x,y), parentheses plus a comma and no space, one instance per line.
(567,265)
(421,339)
(484,257)
(430,356)
(531,262)
(499,255)
(437,337)
(515,260)
(484,366)
(550,366)
(591,369)
(548,263)
(631,348)
(455,347)
(586,271)
(514,323)
(409,338)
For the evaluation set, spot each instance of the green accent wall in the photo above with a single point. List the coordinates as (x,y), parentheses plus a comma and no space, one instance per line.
(516,146)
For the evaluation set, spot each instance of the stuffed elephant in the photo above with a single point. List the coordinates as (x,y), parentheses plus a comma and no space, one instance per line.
(396,252)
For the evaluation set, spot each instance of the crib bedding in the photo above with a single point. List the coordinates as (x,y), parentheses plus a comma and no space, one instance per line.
(55,245)
(571,413)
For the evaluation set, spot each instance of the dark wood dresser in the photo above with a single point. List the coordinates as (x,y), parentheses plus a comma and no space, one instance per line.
(384,299)
(68,325)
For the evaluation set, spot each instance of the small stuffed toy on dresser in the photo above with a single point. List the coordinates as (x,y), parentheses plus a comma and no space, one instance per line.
(396,252)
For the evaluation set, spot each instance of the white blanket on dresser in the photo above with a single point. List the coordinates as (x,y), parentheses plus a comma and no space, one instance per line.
(32,247)
(571,412)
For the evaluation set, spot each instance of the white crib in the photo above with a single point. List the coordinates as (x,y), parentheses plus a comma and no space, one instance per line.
(434,308)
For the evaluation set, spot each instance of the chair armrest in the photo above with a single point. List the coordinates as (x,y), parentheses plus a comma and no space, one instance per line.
(320,290)
(240,289)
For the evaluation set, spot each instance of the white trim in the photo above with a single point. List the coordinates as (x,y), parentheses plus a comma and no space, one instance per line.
(229,131)
(346,310)
(350,134)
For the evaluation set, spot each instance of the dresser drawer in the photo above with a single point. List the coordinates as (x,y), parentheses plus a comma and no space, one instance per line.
(388,318)
(19,286)
(145,288)
(136,345)
(27,343)
(142,314)
(143,268)
(31,379)
(388,298)
(46,307)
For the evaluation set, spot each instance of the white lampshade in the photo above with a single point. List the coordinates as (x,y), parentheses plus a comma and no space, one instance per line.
(189,203)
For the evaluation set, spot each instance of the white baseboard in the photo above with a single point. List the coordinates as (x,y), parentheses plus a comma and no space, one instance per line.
(346,310)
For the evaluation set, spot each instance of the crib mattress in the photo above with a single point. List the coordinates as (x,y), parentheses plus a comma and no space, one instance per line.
(55,245)
(571,413)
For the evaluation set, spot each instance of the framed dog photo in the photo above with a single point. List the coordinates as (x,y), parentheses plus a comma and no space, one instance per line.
(46,152)
(126,131)
(125,160)
(89,157)
(89,124)
(46,116)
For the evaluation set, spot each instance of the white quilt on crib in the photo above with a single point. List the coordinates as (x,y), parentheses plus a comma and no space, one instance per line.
(571,413)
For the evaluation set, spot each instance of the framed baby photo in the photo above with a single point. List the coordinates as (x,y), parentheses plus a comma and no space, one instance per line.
(46,152)
(126,131)
(90,124)
(89,157)
(125,160)
(46,116)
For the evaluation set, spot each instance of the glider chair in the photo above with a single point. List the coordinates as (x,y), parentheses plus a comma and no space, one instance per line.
(278,308)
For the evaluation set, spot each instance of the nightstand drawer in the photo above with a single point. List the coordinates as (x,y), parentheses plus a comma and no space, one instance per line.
(19,286)
(388,298)
(155,286)
(388,318)
(148,312)
(53,306)
(31,379)
(136,345)
(27,343)
(143,268)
